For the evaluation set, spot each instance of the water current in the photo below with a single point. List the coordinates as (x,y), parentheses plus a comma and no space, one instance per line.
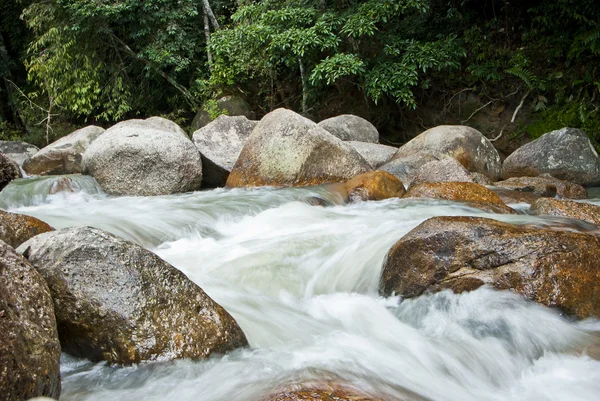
(302,282)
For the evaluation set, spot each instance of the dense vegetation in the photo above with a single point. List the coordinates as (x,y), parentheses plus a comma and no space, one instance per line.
(392,61)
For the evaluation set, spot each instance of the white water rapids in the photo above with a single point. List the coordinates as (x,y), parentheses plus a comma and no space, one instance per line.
(302,282)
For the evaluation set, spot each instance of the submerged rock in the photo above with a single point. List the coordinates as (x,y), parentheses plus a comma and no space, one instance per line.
(374,153)
(64,155)
(9,170)
(474,194)
(565,208)
(557,268)
(220,144)
(119,302)
(286,149)
(447,169)
(465,144)
(144,158)
(566,154)
(349,127)
(18,151)
(29,346)
(544,186)
(374,185)
(17,228)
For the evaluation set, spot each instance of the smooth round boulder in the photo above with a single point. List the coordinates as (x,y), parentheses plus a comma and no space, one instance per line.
(349,127)
(565,208)
(17,228)
(9,170)
(29,345)
(374,185)
(118,302)
(557,268)
(227,105)
(447,169)
(406,168)
(544,186)
(64,155)
(220,144)
(374,153)
(286,149)
(465,144)
(18,151)
(567,154)
(144,158)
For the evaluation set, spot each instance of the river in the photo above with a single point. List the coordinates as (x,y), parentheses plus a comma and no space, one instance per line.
(302,282)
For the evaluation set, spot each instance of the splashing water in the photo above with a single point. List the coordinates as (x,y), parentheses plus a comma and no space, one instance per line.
(302,282)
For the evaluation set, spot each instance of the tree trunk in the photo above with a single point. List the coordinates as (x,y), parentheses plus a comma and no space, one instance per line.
(304,88)
(209,12)
(207,36)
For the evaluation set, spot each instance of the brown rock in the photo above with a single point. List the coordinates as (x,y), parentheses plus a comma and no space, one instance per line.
(29,346)
(18,228)
(509,196)
(447,169)
(544,186)
(320,395)
(557,268)
(565,208)
(374,185)
(481,179)
(9,170)
(474,194)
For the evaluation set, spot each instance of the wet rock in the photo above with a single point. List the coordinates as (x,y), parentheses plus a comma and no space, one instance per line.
(469,192)
(64,155)
(374,185)
(349,127)
(220,144)
(119,302)
(447,169)
(406,168)
(544,186)
(228,105)
(64,184)
(565,208)
(320,395)
(375,154)
(465,144)
(510,196)
(286,149)
(481,179)
(566,154)
(144,158)
(18,151)
(29,346)
(9,170)
(557,268)
(18,228)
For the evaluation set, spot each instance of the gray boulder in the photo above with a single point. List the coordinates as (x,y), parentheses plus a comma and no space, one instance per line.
(9,170)
(18,151)
(29,345)
(374,153)
(119,302)
(447,169)
(228,105)
(349,127)
(64,155)
(566,154)
(220,143)
(144,158)
(286,149)
(465,144)
(406,168)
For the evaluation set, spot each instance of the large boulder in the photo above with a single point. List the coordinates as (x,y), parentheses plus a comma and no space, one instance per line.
(565,208)
(29,345)
(119,302)
(220,144)
(349,127)
(406,168)
(230,105)
(566,154)
(9,170)
(64,155)
(17,228)
(286,149)
(557,268)
(467,145)
(374,185)
(18,151)
(544,186)
(447,169)
(144,158)
(469,192)
(374,153)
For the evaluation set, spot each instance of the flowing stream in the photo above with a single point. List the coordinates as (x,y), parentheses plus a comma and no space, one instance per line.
(302,282)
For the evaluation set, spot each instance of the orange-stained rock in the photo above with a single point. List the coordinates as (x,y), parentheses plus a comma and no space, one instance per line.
(375,185)
(544,186)
(320,395)
(474,194)
(18,228)
(557,268)
(566,208)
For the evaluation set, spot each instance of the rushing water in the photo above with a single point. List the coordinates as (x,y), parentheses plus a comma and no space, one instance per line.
(302,282)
